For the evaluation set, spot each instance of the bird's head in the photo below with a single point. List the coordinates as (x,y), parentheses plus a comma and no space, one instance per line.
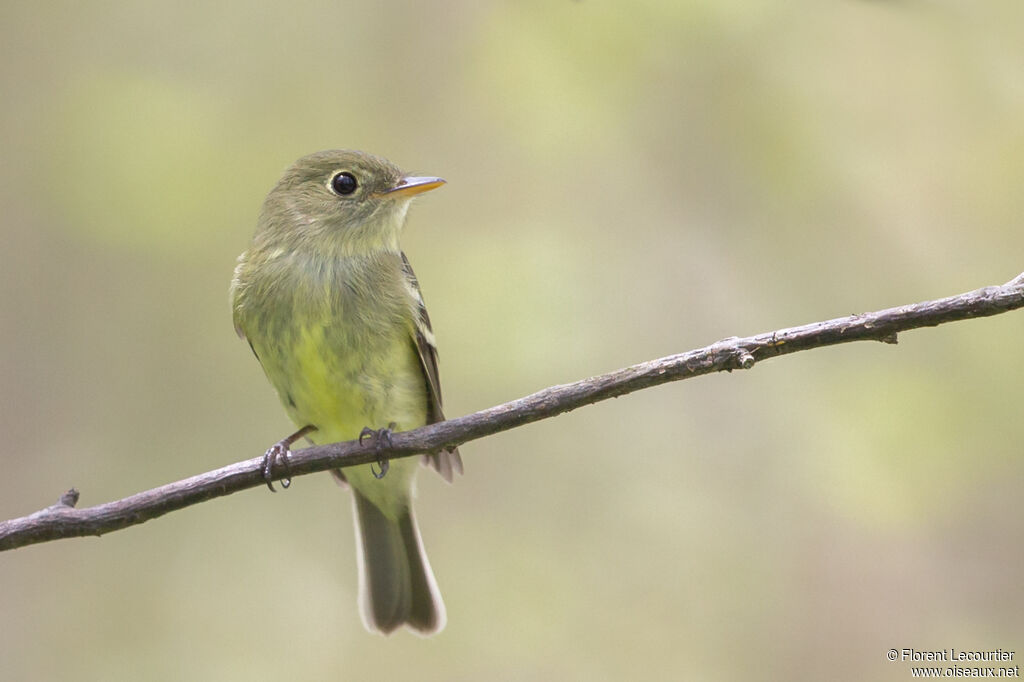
(349,200)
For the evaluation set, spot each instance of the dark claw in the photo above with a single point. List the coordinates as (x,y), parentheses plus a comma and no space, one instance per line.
(382,440)
(383,437)
(282,451)
(384,466)
(279,451)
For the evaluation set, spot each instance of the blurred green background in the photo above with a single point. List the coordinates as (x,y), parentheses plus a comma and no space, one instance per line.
(626,181)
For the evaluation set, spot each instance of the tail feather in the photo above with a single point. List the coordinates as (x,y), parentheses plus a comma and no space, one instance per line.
(396,585)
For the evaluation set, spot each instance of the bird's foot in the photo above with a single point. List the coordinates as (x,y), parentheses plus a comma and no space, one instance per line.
(278,452)
(281,452)
(381,440)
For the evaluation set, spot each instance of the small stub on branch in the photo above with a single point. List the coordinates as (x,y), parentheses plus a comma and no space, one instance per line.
(68,499)
(66,503)
(745,360)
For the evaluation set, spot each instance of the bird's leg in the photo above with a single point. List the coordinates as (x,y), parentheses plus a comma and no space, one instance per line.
(381,439)
(281,450)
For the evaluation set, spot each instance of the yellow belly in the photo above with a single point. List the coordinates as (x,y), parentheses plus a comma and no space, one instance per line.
(322,380)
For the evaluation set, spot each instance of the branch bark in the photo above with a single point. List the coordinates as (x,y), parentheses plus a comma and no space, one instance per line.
(63,520)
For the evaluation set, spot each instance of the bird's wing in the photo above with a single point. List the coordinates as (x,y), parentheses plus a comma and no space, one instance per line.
(447,462)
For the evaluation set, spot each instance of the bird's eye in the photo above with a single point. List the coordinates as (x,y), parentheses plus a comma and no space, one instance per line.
(344,183)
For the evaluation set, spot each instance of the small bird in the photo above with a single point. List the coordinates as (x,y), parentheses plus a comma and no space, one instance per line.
(330,306)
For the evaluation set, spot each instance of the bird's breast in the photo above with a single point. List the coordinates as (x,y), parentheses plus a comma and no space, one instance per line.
(336,344)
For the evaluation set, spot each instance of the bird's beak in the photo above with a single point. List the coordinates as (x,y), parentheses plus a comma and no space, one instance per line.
(411,185)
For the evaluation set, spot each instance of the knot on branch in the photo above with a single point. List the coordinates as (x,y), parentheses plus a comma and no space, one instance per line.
(730,354)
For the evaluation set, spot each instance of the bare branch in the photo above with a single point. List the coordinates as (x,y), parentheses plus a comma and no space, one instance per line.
(62,520)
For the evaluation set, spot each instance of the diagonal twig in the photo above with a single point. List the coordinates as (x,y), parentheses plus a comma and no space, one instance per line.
(63,520)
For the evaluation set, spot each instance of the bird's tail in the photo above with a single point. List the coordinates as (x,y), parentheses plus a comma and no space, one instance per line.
(396,585)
